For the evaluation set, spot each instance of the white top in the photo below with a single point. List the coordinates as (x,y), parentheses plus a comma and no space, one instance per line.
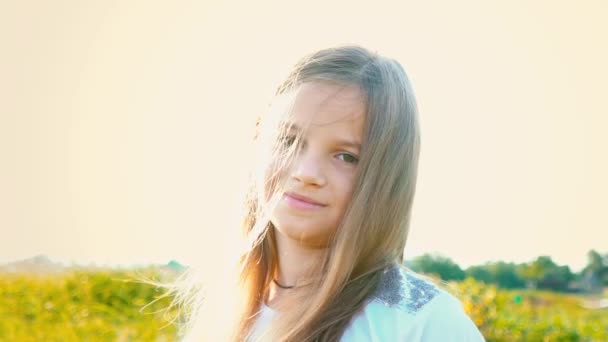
(405,307)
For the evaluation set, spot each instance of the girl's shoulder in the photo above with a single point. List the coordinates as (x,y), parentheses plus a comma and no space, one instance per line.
(408,307)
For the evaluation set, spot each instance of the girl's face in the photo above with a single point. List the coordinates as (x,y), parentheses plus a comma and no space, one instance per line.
(323,172)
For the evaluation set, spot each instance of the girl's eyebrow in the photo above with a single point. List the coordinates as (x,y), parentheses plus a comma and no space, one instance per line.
(349,143)
(342,142)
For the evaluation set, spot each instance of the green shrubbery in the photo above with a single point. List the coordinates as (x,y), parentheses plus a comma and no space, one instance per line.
(83,306)
(107,306)
(530,315)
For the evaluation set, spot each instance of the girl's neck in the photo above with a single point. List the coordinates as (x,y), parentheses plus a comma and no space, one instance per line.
(296,263)
(295,267)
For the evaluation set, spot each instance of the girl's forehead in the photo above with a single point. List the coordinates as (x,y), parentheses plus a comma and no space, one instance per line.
(321,103)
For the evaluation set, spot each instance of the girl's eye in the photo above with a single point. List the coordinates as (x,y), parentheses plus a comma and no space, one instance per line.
(287,141)
(349,158)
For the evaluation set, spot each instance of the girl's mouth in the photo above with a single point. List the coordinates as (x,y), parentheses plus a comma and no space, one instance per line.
(300,204)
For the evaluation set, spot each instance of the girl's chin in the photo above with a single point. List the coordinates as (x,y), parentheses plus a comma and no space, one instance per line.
(307,235)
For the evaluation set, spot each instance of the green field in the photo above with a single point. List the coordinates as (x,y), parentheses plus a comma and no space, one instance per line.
(110,306)
(531,315)
(83,306)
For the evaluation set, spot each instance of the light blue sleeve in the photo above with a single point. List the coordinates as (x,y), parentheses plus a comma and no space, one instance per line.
(442,320)
(445,320)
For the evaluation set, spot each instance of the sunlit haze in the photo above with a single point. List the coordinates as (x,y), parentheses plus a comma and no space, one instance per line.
(125,126)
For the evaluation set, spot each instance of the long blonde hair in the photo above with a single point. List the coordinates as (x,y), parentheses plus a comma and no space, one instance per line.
(373,231)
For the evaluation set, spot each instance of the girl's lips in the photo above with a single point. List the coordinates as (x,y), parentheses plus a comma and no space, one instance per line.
(300,204)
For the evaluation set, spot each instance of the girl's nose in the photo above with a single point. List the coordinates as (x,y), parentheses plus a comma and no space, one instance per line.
(308,168)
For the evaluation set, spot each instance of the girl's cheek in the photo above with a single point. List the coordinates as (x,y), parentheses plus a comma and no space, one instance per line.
(347,185)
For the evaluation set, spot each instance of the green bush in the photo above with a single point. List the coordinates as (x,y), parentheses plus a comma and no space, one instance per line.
(84,306)
(530,315)
(112,306)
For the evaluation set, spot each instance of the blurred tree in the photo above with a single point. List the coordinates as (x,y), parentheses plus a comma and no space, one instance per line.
(481,273)
(541,273)
(556,278)
(503,274)
(532,273)
(444,267)
(544,273)
(596,271)
(506,275)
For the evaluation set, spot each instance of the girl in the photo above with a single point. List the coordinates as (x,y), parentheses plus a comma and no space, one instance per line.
(326,218)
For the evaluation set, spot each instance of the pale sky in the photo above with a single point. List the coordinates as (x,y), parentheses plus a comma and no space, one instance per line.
(124,125)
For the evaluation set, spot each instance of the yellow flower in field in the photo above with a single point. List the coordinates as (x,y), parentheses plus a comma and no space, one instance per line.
(49,306)
(478,321)
(468,307)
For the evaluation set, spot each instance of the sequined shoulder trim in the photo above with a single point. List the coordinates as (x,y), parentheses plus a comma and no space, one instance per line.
(401,288)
